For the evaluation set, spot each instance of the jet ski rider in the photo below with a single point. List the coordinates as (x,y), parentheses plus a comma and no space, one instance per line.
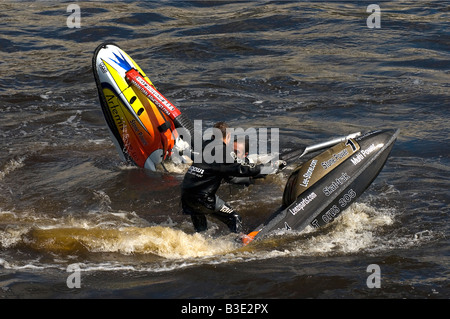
(202,180)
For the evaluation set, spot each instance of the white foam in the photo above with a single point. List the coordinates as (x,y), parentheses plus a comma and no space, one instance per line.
(98,141)
(72,118)
(11,236)
(355,230)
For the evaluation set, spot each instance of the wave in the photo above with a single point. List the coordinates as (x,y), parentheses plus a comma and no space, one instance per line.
(168,246)
(104,232)
(161,241)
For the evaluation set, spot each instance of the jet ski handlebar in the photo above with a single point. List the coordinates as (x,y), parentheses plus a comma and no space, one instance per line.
(297,154)
(329,143)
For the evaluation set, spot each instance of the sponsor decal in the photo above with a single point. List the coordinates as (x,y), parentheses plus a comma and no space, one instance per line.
(196,171)
(358,158)
(138,132)
(302,204)
(364,153)
(315,169)
(308,174)
(102,67)
(133,77)
(370,149)
(335,158)
(328,190)
(145,87)
(227,210)
(116,112)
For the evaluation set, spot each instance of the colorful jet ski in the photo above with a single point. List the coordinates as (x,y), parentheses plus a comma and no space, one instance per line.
(145,127)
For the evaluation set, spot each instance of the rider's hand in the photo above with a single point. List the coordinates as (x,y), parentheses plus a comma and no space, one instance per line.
(273,167)
(280,165)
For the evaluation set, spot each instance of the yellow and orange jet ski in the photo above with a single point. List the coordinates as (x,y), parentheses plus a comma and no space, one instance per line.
(145,127)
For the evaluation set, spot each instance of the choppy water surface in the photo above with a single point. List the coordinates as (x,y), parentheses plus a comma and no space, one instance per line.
(312,69)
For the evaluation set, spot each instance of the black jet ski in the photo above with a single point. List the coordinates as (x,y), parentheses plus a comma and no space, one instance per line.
(320,189)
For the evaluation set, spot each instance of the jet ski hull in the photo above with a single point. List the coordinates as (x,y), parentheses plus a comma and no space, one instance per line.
(323,187)
(141,131)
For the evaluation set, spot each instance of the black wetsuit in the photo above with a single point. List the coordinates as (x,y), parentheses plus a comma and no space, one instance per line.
(201,182)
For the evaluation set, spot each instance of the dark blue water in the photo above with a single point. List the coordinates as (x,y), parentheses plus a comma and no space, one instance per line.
(315,70)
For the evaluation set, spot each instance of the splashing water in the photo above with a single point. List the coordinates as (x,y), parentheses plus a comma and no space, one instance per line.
(161,241)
